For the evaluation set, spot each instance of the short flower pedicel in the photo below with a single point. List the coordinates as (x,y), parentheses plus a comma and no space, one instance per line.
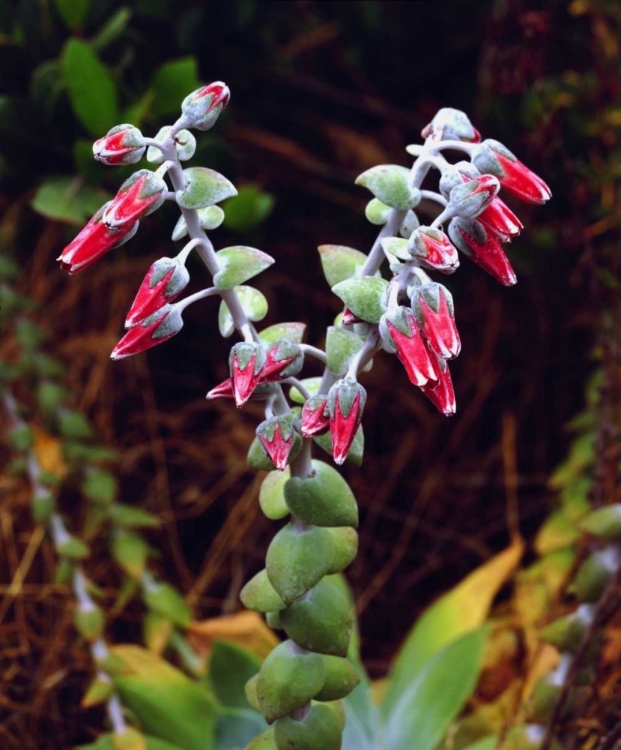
(409,315)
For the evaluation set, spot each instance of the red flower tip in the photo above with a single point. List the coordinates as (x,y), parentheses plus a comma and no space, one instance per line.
(277,436)
(315,416)
(226,390)
(202,107)
(163,283)
(138,196)
(501,220)
(434,250)
(153,331)
(92,242)
(491,156)
(246,362)
(483,248)
(432,305)
(401,335)
(441,393)
(346,400)
(124,144)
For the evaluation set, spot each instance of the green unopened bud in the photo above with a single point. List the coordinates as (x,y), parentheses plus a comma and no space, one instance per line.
(260,596)
(298,558)
(288,679)
(567,632)
(595,574)
(319,729)
(322,499)
(341,679)
(604,522)
(89,623)
(21,437)
(320,621)
(345,547)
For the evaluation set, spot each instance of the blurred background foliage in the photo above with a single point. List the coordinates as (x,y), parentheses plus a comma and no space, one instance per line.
(320,92)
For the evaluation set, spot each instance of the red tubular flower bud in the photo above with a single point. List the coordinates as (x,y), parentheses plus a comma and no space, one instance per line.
(494,158)
(315,416)
(441,393)
(401,335)
(451,124)
(92,242)
(138,196)
(501,220)
(483,248)
(149,333)
(473,196)
(346,400)
(124,144)
(164,281)
(276,436)
(432,305)
(246,362)
(433,249)
(282,360)
(203,106)
(225,390)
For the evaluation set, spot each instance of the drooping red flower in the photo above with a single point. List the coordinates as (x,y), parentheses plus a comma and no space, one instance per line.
(315,416)
(482,247)
(402,336)
(441,393)
(124,144)
(433,249)
(163,282)
(149,333)
(494,158)
(346,400)
(140,195)
(501,220)
(276,436)
(432,305)
(282,360)
(92,242)
(246,361)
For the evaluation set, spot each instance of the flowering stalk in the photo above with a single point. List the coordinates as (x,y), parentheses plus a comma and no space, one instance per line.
(409,315)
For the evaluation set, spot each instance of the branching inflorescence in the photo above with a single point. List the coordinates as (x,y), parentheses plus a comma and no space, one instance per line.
(409,315)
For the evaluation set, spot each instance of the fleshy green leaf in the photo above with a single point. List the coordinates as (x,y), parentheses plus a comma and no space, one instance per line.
(167,602)
(341,346)
(204,188)
(92,90)
(254,304)
(73,12)
(68,199)
(435,695)
(363,296)
(100,486)
(166,702)
(210,218)
(230,667)
(111,30)
(292,331)
(322,499)
(133,518)
(239,264)
(398,247)
(390,183)
(311,385)
(130,552)
(171,82)
(248,209)
(340,262)
(272,495)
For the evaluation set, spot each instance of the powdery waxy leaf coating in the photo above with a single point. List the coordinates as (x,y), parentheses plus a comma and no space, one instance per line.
(363,296)
(288,680)
(396,247)
(341,346)
(254,304)
(292,331)
(239,264)
(298,559)
(321,621)
(340,262)
(377,212)
(345,547)
(204,188)
(322,499)
(390,183)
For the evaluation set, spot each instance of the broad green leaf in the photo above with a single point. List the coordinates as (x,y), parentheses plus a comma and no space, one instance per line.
(210,218)
(429,703)
(390,183)
(166,703)
(397,247)
(73,12)
(204,188)
(322,499)
(461,610)
(363,296)
(239,264)
(111,30)
(230,668)
(356,452)
(130,552)
(292,331)
(340,262)
(341,346)
(92,90)
(237,727)
(168,602)
(248,209)
(173,81)
(68,199)
(254,304)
